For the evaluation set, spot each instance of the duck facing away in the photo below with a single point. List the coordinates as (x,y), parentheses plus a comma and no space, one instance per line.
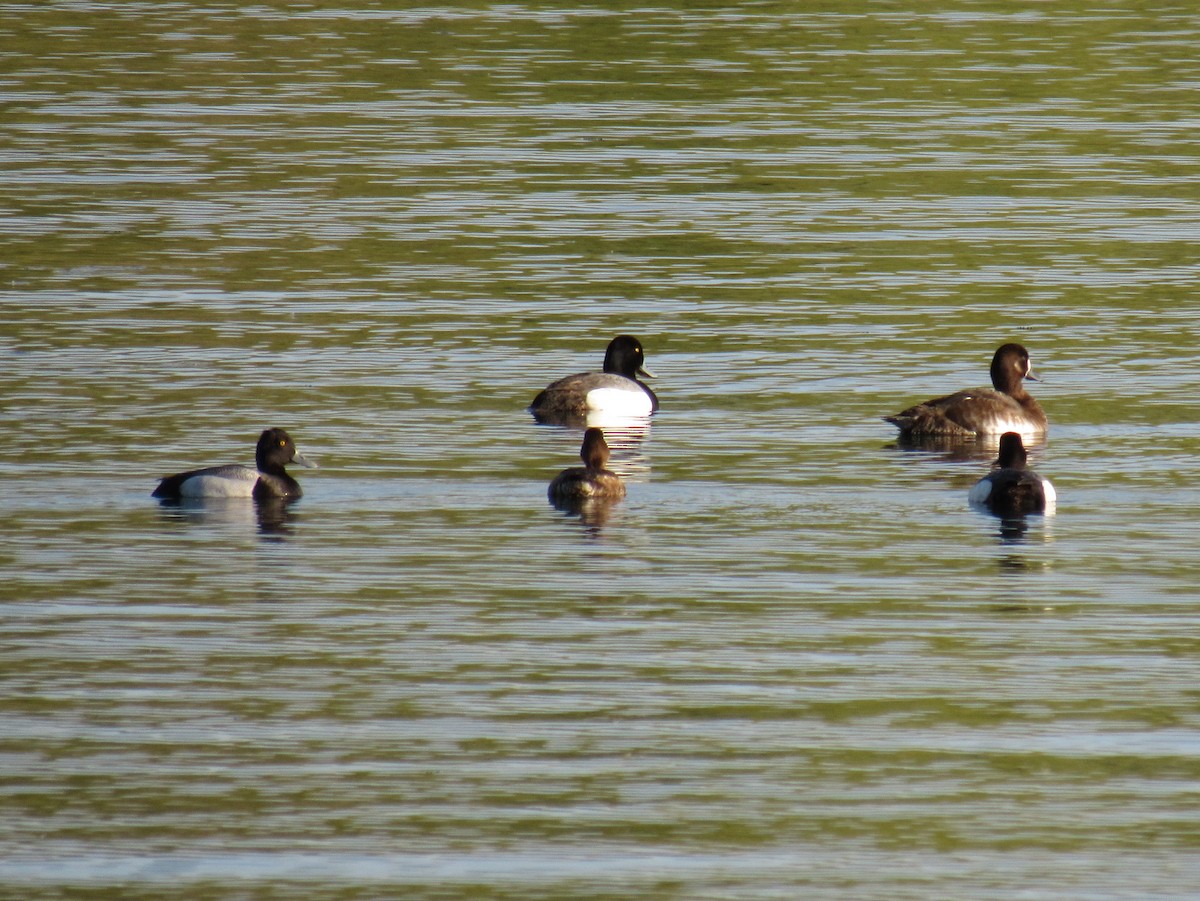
(592,480)
(1005,407)
(615,392)
(268,479)
(1011,489)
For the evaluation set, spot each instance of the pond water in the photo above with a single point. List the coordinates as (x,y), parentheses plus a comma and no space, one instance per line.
(791,662)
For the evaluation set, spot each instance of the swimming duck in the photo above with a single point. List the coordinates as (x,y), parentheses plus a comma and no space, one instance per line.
(592,480)
(269,480)
(1011,489)
(614,392)
(1006,407)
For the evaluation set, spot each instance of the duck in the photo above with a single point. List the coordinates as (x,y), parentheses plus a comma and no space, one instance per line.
(615,392)
(268,479)
(1011,489)
(593,479)
(1005,407)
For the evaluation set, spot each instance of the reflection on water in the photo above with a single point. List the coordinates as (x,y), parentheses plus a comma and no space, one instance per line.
(962,449)
(949,447)
(593,512)
(601,419)
(271,517)
(628,440)
(1014,529)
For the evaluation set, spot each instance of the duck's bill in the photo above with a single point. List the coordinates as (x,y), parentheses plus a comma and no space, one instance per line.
(301,460)
(646,373)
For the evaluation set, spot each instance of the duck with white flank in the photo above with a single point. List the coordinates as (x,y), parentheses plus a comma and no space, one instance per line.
(268,479)
(615,392)
(1011,489)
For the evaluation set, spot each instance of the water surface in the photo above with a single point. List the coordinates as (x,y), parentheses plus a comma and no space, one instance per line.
(792,661)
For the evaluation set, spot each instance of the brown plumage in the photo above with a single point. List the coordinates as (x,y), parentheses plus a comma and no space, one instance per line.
(1005,407)
(592,479)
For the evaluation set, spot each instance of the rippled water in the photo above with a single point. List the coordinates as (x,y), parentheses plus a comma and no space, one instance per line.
(792,662)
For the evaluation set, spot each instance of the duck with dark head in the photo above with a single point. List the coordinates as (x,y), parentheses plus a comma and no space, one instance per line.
(616,392)
(1012,489)
(267,479)
(593,479)
(977,412)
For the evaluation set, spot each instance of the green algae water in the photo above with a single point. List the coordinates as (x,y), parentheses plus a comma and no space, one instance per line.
(791,662)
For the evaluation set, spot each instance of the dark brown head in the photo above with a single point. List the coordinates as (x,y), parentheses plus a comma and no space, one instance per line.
(594,450)
(1010,367)
(1012,452)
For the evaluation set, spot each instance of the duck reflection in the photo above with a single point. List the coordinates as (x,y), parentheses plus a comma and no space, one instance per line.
(593,512)
(1017,540)
(276,517)
(273,517)
(627,444)
(948,447)
(1013,529)
(957,449)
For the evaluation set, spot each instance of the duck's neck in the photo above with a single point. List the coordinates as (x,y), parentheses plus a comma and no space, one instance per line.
(271,467)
